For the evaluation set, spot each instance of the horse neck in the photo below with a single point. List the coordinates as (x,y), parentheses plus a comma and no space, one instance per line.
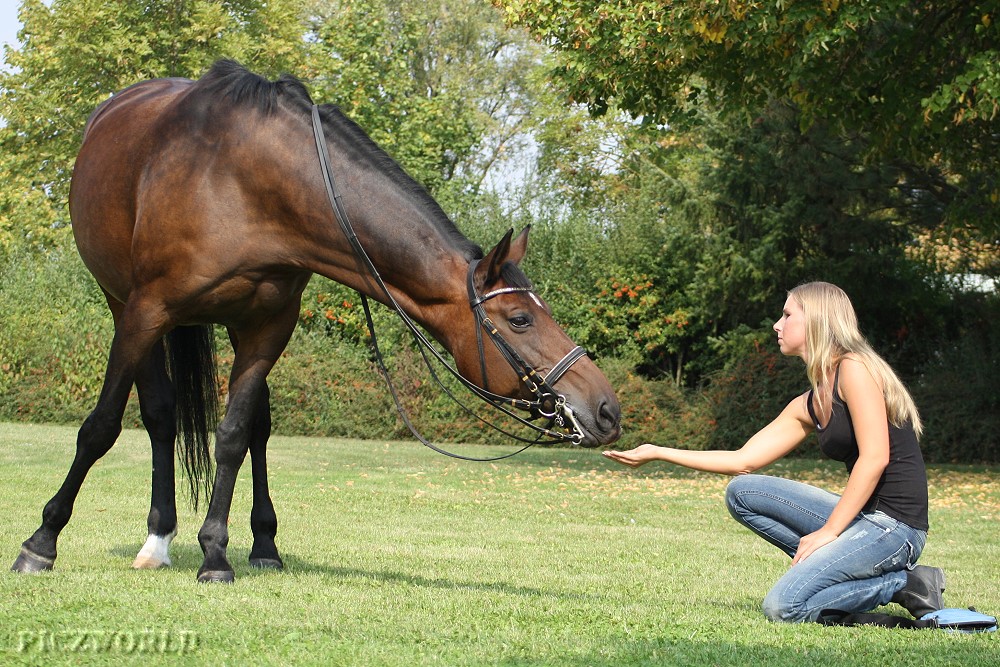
(419,257)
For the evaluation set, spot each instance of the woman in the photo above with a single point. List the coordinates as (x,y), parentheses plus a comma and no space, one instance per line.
(858,550)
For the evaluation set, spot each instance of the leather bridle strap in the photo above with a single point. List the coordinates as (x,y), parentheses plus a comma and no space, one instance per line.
(425,346)
(547,402)
(564,364)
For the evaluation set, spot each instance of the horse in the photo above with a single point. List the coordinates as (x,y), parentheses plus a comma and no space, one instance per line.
(201,203)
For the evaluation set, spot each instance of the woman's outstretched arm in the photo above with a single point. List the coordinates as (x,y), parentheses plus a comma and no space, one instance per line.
(768,445)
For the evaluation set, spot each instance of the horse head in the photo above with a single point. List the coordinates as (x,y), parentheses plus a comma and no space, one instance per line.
(527,355)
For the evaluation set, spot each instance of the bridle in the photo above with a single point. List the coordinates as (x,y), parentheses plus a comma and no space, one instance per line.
(545,404)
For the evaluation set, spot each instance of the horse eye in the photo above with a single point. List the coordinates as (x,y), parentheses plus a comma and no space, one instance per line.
(520,321)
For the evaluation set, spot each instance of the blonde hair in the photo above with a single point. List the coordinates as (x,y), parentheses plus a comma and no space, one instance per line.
(832,333)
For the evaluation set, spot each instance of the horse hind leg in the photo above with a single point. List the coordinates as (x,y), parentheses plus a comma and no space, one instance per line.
(256,353)
(232,443)
(158,408)
(184,403)
(96,437)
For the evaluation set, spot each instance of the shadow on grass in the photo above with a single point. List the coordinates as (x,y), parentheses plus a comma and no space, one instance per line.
(684,643)
(188,557)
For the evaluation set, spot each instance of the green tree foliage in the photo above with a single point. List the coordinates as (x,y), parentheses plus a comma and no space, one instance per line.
(883,64)
(701,233)
(75,54)
(918,80)
(443,87)
(792,204)
(959,386)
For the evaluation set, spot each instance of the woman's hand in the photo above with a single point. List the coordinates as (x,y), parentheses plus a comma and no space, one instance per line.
(635,457)
(811,542)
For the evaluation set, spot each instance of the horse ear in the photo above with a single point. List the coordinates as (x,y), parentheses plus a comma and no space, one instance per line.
(505,251)
(488,270)
(519,246)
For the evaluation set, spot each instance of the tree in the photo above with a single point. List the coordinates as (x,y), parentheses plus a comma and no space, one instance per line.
(866,62)
(702,232)
(918,81)
(76,54)
(792,205)
(444,87)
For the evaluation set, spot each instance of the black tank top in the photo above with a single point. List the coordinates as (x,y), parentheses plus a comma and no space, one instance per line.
(902,490)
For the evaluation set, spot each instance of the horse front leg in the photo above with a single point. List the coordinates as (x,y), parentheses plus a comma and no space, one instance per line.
(96,437)
(263,519)
(256,352)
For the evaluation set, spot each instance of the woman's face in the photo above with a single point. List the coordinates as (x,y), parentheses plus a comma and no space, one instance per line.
(791,329)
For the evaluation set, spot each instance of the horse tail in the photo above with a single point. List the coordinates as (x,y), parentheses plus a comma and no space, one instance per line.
(191,355)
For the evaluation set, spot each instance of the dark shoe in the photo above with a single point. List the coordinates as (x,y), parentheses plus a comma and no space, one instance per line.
(924,591)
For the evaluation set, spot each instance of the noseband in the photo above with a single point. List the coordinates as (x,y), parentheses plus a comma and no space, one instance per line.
(547,404)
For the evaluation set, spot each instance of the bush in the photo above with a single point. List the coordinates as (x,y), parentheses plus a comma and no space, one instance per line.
(958,392)
(55,334)
(752,391)
(322,389)
(656,411)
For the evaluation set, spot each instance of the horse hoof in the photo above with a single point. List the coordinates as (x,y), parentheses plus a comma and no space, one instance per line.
(267,563)
(147,563)
(216,577)
(30,563)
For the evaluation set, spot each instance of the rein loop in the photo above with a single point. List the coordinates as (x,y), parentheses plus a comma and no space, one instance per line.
(547,404)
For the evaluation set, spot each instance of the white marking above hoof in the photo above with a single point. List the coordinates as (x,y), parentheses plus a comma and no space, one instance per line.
(154,553)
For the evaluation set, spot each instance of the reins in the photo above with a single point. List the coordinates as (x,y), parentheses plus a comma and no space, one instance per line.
(548,404)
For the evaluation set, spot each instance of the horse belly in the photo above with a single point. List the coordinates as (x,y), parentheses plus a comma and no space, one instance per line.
(246,300)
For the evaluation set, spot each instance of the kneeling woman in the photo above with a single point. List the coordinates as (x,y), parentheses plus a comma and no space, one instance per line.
(850,552)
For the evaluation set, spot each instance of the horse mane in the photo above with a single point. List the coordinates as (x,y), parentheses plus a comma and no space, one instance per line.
(340,124)
(228,79)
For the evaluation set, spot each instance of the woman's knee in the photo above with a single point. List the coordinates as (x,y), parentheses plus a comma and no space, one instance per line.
(780,609)
(773,607)
(735,490)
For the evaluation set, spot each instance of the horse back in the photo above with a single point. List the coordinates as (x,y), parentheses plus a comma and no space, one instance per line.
(186,199)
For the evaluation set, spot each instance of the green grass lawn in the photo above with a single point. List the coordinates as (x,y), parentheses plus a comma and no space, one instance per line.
(396,555)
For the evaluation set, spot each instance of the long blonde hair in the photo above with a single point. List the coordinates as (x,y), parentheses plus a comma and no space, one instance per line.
(832,333)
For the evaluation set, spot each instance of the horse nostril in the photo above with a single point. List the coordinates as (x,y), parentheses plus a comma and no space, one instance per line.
(609,415)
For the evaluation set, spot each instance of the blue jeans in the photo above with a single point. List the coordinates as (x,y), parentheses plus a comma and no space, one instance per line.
(859,571)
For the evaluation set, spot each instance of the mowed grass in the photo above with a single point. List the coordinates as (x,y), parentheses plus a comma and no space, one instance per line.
(396,555)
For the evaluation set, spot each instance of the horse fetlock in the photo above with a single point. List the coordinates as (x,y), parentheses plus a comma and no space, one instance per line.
(154,553)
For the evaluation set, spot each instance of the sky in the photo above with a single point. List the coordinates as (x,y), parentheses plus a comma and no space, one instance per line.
(8,21)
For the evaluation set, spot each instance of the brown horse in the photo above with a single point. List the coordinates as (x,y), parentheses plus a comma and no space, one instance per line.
(203,202)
